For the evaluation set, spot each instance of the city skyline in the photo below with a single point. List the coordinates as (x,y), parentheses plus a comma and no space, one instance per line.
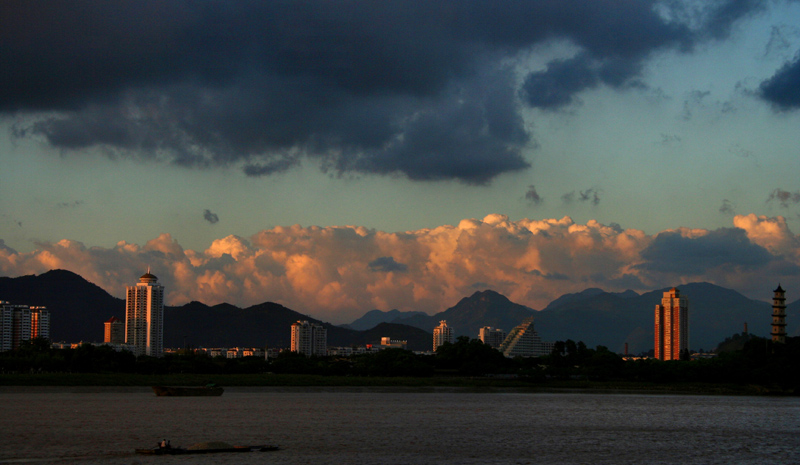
(401,155)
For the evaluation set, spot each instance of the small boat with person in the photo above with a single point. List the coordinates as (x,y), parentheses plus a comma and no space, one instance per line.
(214,447)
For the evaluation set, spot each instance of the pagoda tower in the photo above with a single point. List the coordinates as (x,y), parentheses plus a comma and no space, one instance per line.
(779,316)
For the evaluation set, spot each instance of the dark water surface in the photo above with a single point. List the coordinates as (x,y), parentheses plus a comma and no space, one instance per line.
(385,426)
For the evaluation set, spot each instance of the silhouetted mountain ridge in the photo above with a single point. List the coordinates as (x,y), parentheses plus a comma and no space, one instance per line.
(483,308)
(374,317)
(79,308)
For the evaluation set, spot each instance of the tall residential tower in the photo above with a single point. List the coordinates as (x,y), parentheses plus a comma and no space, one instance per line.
(442,334)
(492,337)
(19,323)
(672,326)
(309,339)
(144,316)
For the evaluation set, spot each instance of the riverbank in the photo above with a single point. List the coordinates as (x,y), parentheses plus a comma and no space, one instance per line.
(463,383)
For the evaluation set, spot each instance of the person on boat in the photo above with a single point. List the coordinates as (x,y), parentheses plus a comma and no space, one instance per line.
(163,444)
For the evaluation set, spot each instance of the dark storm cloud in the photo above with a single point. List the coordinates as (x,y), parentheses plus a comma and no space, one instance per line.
(420,89)
(210,217)
(670,252)
(785,198)
(387,264)
(783,88)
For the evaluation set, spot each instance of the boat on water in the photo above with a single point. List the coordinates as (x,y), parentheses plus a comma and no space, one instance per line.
(205,450)
(182,391)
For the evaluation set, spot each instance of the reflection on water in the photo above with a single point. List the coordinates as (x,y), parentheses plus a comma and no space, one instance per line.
(371,426)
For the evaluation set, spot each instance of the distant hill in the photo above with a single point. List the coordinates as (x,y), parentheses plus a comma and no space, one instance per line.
(267,324)
(374,317)
(613,319)
(470,314)
(586,294)
(79,308)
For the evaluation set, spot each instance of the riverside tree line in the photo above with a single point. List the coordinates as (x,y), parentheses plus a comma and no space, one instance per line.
(755,361)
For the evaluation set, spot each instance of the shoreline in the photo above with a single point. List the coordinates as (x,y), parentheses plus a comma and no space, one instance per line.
(119,382)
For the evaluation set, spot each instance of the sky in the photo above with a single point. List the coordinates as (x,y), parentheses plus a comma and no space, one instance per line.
(338,157)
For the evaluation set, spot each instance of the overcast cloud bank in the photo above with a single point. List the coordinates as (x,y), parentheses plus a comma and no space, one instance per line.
(338,273)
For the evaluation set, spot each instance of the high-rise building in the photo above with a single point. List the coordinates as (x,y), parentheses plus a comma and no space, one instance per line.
(779,315)
(20,323)
(309,339)
(114,331)
(40,323)
(144,316)
(524,341)
(492,337)
(442,334)
(672,326)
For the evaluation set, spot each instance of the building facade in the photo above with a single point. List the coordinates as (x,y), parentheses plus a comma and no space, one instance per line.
(20,323)
(389,343)
(779,315)
(524,341)
(309,339)
(144,316)
(114,331)
(442,334)
(492,337)
(672,326)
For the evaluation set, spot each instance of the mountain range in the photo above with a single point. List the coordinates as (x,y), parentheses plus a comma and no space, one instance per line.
(78,309)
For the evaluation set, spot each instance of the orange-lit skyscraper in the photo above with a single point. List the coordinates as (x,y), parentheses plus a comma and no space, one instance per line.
(672,326)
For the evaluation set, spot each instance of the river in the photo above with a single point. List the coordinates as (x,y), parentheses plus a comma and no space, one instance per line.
(398,426)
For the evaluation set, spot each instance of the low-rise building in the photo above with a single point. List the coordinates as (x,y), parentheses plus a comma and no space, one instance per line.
(389,343)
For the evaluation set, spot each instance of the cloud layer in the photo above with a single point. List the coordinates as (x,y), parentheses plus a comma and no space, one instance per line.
(338,273)
(427,90)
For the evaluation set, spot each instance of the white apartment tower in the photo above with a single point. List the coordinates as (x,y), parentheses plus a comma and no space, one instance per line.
(309,339)
(672,326)
(442,334)
(144,316)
